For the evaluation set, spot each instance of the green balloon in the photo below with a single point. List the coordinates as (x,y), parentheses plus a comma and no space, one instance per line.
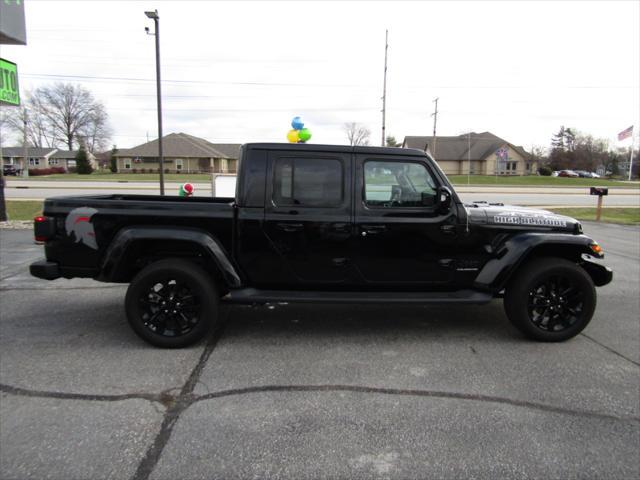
(304,135)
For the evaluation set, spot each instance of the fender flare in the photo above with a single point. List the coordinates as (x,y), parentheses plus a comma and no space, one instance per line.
(509,255)
(113,265)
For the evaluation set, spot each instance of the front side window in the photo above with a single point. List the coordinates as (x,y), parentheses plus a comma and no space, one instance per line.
(127,164)
(34,161)
(398,184)
(179,164)
(310,182)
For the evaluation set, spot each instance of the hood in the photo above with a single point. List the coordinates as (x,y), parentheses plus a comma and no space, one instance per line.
(493,214)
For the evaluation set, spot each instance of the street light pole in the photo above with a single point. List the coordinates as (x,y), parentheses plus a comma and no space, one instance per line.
(156,20)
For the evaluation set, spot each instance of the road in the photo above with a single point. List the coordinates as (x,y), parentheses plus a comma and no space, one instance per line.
(532,196)
(317,391)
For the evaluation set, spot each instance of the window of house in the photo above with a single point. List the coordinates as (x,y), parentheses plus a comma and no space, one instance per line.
(53,161)
(127,163)
(310,182)
(397,184)
(34,161)
(179,163)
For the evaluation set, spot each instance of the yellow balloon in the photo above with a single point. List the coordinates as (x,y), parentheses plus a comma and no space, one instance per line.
(292,136)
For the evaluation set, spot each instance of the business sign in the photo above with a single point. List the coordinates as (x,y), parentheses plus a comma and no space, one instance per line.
(9,91)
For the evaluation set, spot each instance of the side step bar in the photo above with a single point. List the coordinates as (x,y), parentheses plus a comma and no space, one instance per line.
(252,295)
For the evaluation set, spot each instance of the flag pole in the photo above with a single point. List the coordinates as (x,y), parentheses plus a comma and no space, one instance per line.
(631,155)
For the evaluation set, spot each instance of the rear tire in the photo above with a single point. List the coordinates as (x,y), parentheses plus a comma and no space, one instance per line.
(550,299)
(172,303)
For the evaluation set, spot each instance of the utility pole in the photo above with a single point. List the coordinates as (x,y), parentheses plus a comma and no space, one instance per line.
(384,88)
(469,154)
(25,150)
(156,19)
(3,205)
(631,156)
(435,121)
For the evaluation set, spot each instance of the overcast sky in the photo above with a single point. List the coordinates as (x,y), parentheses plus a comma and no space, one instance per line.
(239,71)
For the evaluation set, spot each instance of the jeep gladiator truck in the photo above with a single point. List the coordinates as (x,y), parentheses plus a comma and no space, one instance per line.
(323,223)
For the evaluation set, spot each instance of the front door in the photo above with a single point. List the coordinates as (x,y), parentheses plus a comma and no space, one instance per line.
(308,217)
(401,237)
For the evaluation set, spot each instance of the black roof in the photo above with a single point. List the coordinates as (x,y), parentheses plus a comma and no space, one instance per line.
(314,147)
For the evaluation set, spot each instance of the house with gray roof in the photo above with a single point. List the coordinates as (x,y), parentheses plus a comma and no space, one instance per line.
(40,158)
(182,153)
(67,159)
(475,153)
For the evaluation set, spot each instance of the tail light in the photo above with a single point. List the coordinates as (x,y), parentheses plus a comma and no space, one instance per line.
(44,228)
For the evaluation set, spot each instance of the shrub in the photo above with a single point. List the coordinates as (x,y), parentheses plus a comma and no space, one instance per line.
(545,171)
(82,162)
(166,170)
(134,170)
(73,170)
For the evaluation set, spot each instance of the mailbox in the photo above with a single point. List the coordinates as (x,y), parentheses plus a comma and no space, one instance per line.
(600,191)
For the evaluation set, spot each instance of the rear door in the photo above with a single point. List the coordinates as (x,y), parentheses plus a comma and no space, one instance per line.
(400,236)
(308,217)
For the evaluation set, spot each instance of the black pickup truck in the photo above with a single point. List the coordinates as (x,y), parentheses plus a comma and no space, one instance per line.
(323,223)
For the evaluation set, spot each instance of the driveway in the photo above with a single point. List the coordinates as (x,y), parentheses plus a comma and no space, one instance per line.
(310,391)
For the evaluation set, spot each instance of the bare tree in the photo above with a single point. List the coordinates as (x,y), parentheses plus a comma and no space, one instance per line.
(357,134)
(68,114)
(39,134)
(97,133)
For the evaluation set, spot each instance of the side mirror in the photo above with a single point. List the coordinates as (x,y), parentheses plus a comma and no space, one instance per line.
(444,198)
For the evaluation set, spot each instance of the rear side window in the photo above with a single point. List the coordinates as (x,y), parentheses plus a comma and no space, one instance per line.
(308,182)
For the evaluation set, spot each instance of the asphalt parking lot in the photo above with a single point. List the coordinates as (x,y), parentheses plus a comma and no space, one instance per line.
(315,391)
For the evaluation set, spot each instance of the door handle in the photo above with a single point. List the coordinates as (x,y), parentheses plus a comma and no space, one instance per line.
(341,227)
(372,229)
(290,227)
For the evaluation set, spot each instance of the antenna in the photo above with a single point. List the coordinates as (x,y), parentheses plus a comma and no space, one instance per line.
(384,87)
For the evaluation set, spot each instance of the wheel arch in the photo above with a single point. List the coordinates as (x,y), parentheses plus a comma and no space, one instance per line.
(135,247)
(524,248)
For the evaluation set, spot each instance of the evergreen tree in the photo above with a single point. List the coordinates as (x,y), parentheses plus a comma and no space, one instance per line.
(113,161)
(82,162)
(392,142)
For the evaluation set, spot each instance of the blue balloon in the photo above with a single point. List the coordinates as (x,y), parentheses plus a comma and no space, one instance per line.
(297,123)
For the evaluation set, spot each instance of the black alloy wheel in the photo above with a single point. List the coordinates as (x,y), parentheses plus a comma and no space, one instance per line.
(172,303)
(555,304)
(550,299)
(170,308)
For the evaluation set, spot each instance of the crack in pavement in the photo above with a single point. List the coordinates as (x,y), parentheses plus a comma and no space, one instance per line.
(615,352)
(163,397)
(183,401)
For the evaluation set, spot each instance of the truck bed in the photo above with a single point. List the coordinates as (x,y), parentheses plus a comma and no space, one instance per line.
(115,212)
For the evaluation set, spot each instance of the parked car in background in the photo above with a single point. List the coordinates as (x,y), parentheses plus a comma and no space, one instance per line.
(9,170)
(585,174)
(568,173)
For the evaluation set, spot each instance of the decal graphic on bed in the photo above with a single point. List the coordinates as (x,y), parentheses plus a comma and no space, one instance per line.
(533,219)
(79,224)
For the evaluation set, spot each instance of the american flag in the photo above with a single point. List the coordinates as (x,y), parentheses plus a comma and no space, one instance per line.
(625,133)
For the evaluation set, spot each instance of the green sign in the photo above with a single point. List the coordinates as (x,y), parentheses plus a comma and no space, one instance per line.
(9,92)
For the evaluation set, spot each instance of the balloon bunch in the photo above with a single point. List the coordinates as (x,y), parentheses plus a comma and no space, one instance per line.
(299,134)
(186,190)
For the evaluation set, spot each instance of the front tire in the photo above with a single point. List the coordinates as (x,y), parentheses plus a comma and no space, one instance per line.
(550,299)
(172,303)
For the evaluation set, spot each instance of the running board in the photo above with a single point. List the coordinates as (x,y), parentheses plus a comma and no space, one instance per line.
(252,295)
